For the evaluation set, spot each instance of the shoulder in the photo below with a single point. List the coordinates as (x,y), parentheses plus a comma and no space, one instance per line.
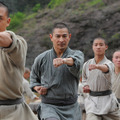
(14,36)
(110,64)
(75,52)
(89,61)
(17,39)
(42,55)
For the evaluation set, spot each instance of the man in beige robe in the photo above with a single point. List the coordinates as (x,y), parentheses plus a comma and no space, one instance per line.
(101,103)
(12,60)
(29,96)
(116,75)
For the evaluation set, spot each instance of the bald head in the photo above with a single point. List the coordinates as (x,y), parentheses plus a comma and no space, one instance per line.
(6,7)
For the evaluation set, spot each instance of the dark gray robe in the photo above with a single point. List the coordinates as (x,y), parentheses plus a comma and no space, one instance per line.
(62,83)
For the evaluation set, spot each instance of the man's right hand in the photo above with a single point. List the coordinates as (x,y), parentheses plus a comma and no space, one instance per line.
(86,89)
(41,90)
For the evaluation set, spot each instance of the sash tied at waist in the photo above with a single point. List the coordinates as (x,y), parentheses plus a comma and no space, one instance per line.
(59,102)
(100,93)
(11,101)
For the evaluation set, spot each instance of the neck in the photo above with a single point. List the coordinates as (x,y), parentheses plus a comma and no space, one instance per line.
(117,70)
(59,52)
(98,58)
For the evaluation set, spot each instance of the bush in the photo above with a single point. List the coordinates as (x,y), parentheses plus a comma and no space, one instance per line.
(55,3)
(16,20)
(36,8)
(91,3)
(95,2)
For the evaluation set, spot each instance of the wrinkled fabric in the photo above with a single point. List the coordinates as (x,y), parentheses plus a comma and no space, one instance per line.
(116,84)
(99,81)
(12,62)
(62,83)
(27,91)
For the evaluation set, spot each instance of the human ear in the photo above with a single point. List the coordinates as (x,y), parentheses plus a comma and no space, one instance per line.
(8,22)
(51,36)
(106,47)
(69,35)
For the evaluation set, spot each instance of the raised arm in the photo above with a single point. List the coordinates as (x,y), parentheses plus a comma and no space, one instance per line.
(74,62)
(60,61)
(5,39)
(103,68)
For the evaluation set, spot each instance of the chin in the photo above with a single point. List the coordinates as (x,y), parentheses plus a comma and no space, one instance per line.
(62,49)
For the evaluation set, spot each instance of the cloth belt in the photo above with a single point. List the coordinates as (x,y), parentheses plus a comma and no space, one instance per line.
(59,102)
(11,101)
(100,93)
(118,100)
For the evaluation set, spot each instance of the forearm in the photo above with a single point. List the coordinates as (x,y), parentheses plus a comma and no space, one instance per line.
(68,61)
(103,68)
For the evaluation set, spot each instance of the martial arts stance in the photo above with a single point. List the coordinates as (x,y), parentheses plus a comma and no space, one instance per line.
(55,76)
(116,74)
(13,50)
(101,104)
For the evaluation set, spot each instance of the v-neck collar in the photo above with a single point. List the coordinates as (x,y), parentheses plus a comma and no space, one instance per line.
(64,54)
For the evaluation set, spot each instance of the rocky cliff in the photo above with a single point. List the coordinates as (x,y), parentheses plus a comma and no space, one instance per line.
(86,20)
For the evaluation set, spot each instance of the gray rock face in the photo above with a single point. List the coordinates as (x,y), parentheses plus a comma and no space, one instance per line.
(85,25)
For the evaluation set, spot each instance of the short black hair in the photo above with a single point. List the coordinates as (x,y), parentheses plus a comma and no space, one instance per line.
(117,50)
(60,25)
(5,6)
(100,38)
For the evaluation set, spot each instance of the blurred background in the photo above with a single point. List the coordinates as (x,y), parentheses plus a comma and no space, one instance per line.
(87,19)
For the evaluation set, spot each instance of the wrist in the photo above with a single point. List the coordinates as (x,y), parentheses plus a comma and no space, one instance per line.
(64,60)
(35,88)
(97,66)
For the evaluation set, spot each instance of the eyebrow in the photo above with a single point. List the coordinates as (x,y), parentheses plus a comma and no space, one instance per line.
(60,34)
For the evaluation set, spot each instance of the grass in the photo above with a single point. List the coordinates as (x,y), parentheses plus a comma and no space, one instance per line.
(116,36)
(91,3)
(55,3)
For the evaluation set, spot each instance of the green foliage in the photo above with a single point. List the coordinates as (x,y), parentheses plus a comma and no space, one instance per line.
(55,3)
(16,20)
(116,36)
(30,16)
(103,34)
(36,8)
(91,3)
(95,2)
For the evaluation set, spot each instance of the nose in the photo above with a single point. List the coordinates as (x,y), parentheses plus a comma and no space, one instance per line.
(61,39)
(98,46)
(119,59)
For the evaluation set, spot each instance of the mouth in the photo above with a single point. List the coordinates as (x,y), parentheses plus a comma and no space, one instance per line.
(61,44)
